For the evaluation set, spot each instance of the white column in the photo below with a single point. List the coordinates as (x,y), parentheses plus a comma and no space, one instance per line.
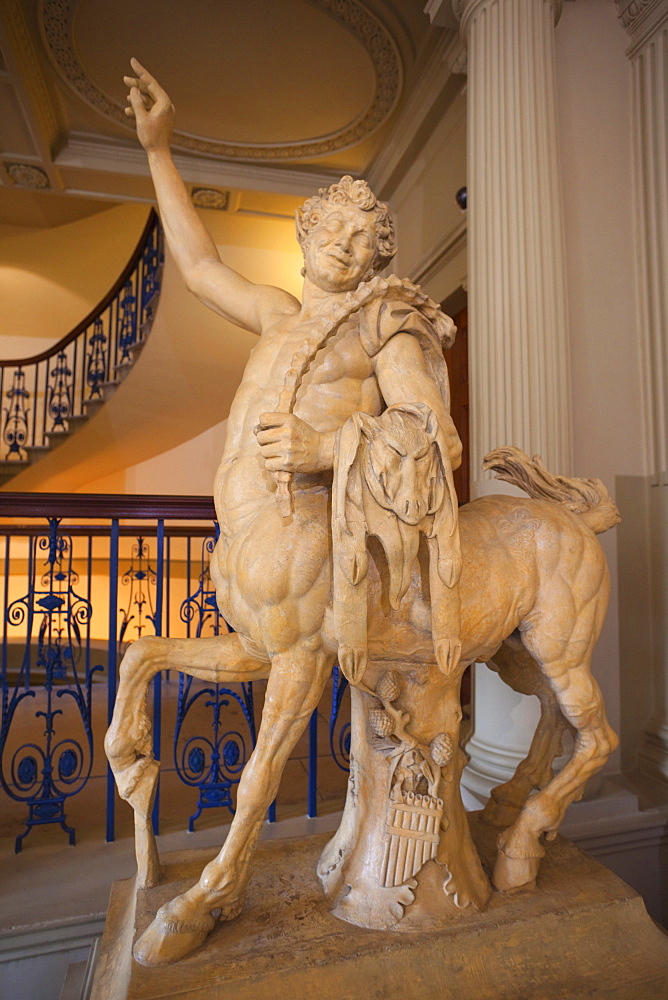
(647,24)
(518,346)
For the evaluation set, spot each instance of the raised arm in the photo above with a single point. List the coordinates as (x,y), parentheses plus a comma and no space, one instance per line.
(218,286)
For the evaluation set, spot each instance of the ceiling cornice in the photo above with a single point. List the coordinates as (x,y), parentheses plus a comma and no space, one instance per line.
(98,154)
(30,86)
(56,18)
(642,20)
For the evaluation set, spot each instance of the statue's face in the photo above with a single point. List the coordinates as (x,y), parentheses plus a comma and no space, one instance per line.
(339,252)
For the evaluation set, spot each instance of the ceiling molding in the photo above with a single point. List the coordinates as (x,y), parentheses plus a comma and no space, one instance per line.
(642,20)
(86,154)
(30,86)
(25,175)
(56,18)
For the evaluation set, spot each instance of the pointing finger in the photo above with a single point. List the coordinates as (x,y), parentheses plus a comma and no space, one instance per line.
(148,84)
(137,67)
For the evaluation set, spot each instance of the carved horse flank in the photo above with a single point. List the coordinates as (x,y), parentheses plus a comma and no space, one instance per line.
(534,589)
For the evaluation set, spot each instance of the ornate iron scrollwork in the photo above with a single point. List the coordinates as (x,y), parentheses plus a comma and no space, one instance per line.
(59,395)
(152,261)
(15,430)
(73,373)
(96,369)
(213,763)
(47,770)
(127,322)
(140,578)
(339,735)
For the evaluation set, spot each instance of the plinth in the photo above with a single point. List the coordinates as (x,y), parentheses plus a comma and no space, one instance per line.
(582,933)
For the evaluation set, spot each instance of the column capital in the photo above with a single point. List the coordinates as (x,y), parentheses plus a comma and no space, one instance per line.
(466,10)
(642,20)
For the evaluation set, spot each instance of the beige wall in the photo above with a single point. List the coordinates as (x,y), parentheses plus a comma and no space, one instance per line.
(51,278)
(595,140)
(430,225)
(186,470)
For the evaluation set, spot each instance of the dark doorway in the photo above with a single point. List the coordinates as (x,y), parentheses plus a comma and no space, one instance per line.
(457,359)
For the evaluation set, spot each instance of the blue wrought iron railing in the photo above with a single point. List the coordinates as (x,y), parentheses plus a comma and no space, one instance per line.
(84,576)
(45,396)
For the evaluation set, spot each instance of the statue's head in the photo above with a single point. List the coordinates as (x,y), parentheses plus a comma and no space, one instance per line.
(346,235)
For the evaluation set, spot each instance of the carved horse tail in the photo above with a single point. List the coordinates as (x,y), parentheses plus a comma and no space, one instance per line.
(586,497)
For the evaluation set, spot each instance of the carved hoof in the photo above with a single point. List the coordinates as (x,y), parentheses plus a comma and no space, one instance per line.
(170,938)
(448,653)
(353,663)
(230,911)
(514,873)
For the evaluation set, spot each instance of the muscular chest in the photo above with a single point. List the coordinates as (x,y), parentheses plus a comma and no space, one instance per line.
(343,357)
(341,368)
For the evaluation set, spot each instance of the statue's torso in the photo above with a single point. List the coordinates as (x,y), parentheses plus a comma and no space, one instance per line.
(340,382)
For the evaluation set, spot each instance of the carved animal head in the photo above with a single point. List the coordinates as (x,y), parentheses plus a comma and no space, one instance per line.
(402,464)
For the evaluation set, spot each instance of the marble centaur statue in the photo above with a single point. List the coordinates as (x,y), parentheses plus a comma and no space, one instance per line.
(340,538)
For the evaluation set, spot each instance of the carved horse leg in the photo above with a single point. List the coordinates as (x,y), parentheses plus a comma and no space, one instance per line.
(520,671)
(296,683)
(580,700)
(128,742)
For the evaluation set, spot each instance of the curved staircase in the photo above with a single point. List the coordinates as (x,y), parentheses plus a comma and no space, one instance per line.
(48,397)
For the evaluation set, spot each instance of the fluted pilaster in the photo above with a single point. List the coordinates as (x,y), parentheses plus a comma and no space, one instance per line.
(646,22)
(517,300)
(518,345)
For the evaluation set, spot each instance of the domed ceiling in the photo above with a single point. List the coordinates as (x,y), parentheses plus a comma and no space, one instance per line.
(271,95)
(319,76)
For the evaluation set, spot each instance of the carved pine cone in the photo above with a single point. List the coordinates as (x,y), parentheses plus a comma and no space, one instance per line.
(441,749)
(380,722)
(387,687)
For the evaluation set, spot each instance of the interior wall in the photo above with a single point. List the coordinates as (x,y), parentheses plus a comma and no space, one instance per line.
(51,278)
(186,470)
(594,118)
(431,228)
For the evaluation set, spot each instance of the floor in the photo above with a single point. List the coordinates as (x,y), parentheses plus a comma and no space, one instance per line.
(51,881)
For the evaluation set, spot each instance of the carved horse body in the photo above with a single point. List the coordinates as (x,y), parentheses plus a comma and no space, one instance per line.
(533,587)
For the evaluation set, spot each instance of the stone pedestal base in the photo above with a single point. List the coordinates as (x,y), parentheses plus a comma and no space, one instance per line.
(582,933)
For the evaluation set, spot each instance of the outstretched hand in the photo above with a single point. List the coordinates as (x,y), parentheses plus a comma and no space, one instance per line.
(151,108)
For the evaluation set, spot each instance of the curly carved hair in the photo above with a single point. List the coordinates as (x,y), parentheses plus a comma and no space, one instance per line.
(350,192)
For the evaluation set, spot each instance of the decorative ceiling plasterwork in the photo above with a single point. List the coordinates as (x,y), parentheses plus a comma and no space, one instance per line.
(26,176)
(56,21)
(24,49)
(631,11)
(643,20)
(207,197)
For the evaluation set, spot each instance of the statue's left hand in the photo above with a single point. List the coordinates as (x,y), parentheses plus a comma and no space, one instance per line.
(288,444)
